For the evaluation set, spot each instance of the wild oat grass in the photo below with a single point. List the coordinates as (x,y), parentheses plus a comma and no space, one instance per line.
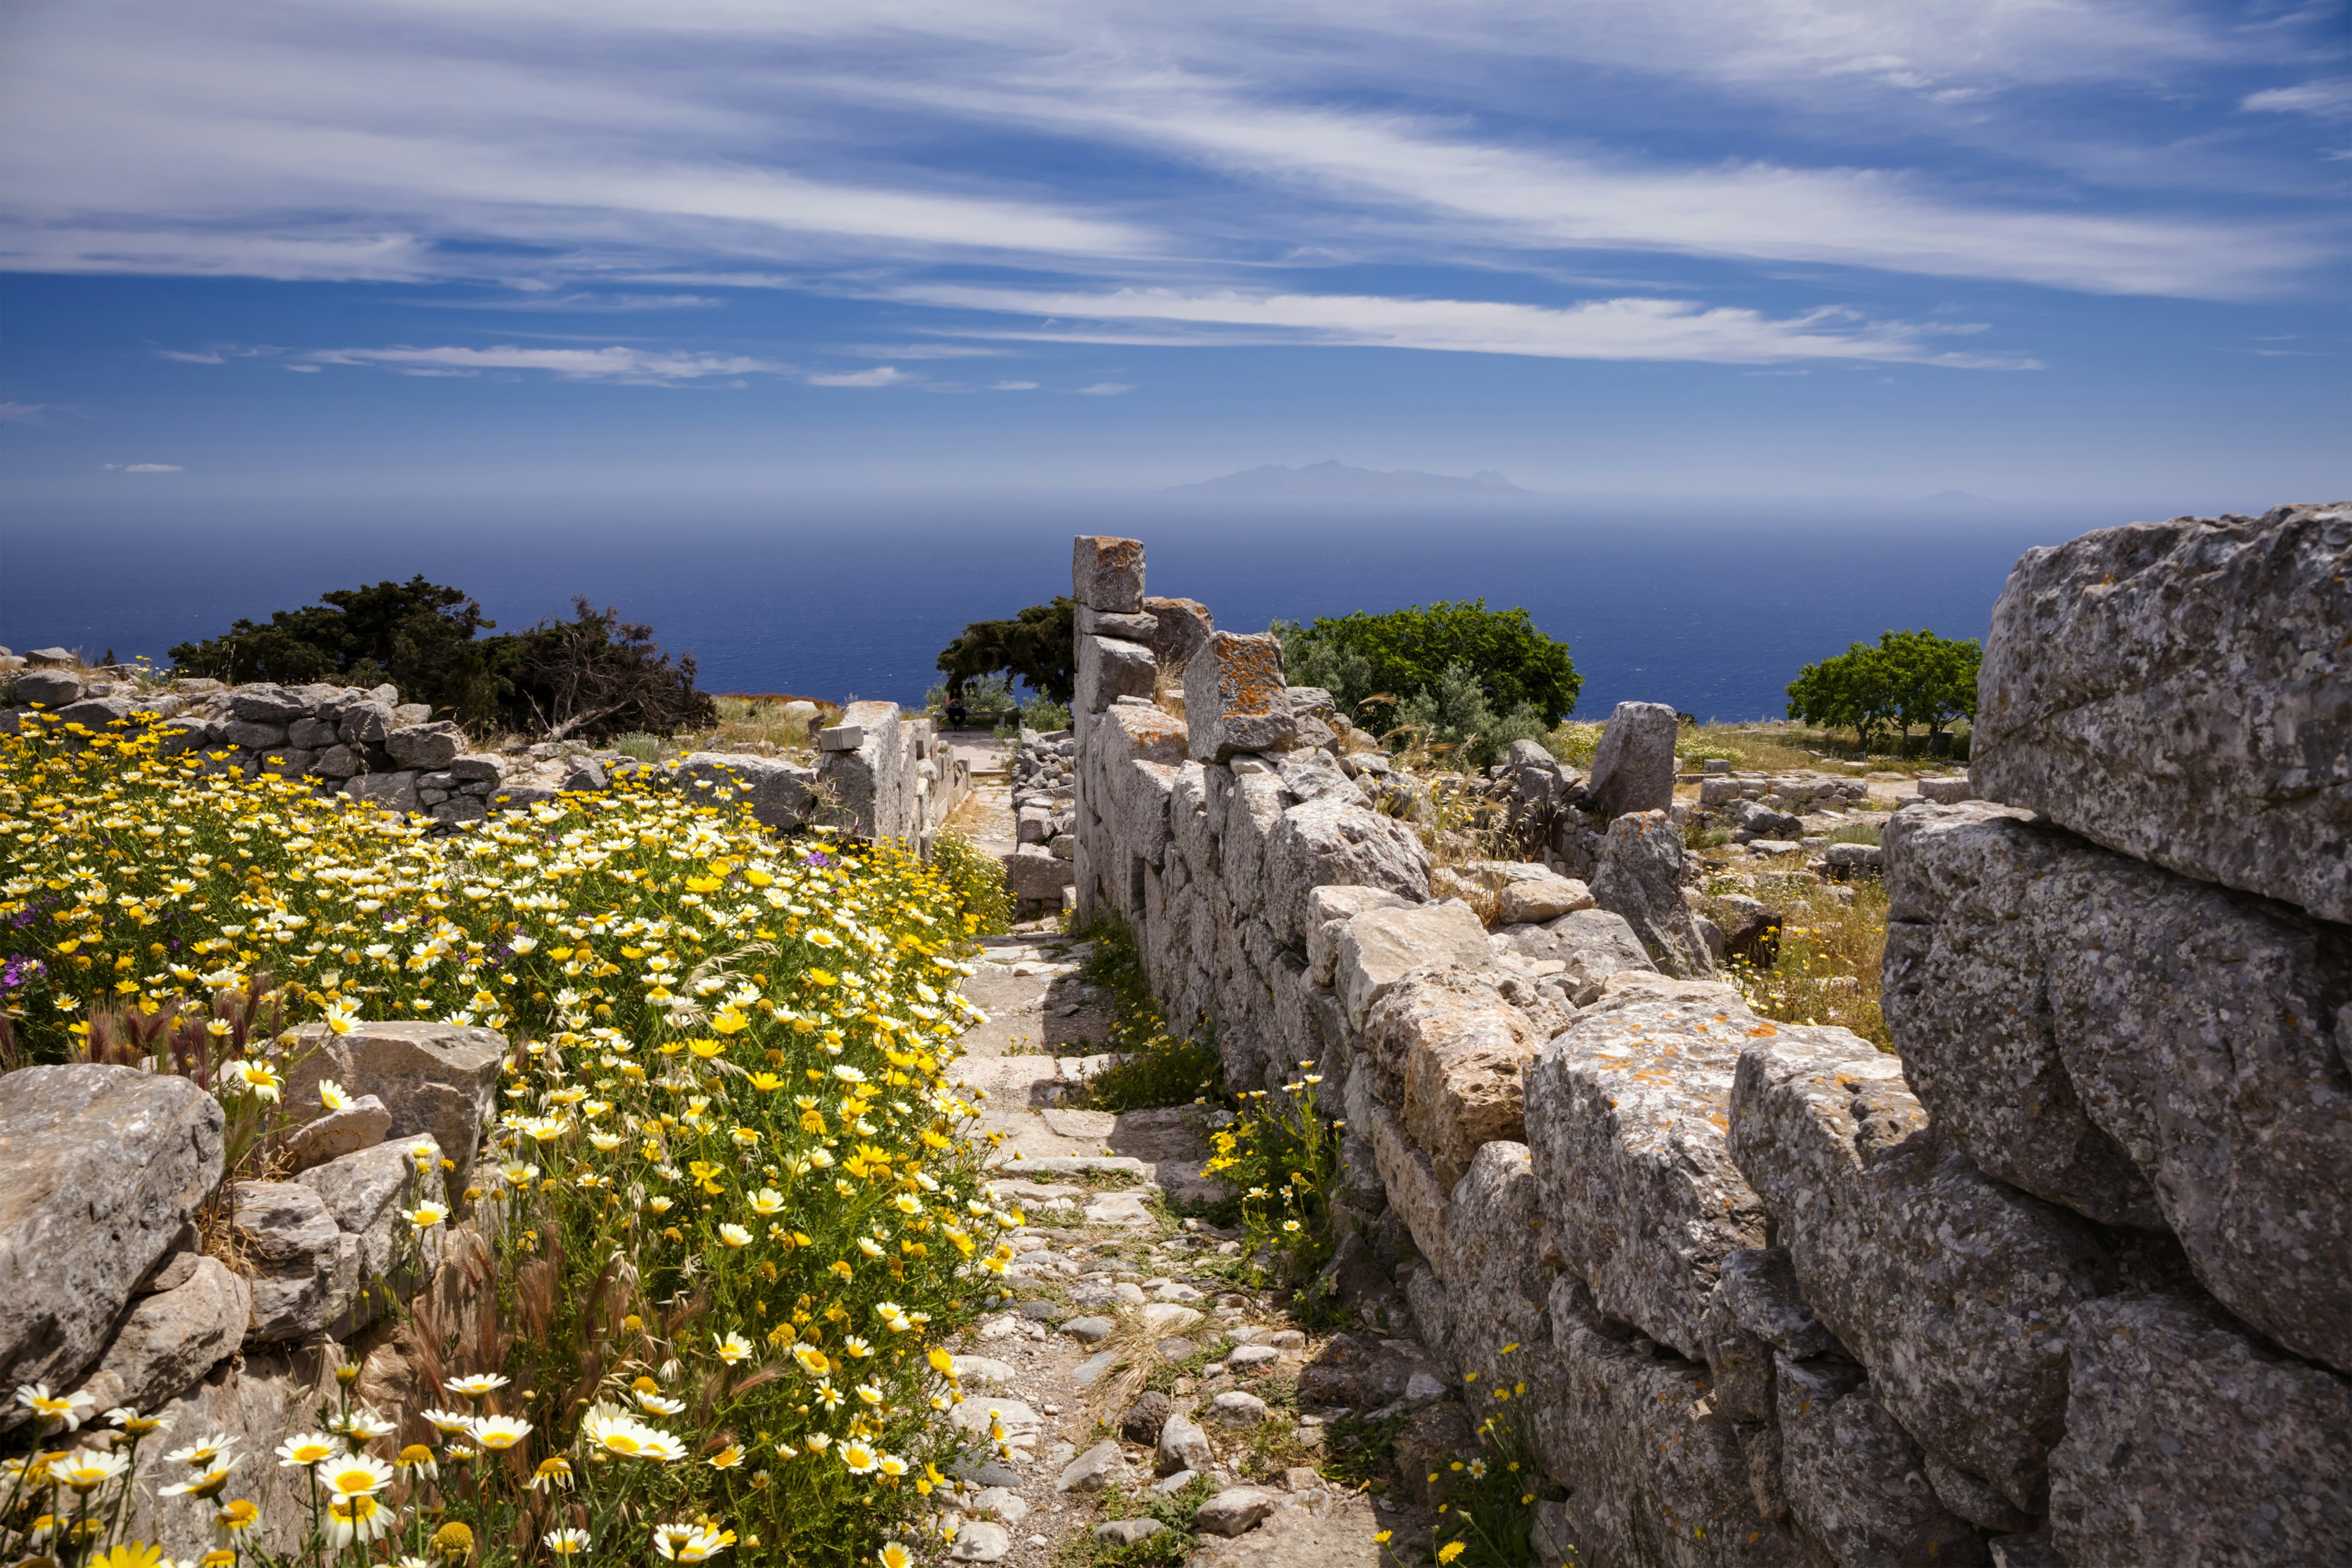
(728,1207)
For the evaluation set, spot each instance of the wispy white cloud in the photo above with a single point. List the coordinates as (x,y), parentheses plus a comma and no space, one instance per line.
(1105,389)
(185,356)
(1014,386)
(614,363)
(1622,329)
(145,468)
(880,375)
(579,303)
(25,413)
(2320,99)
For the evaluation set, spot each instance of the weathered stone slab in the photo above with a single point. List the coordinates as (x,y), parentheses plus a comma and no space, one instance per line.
(101,1167)
(359,1125)
(1413,1189)
(437,1078)
(781,795)
(1952,1288)
(1328,912)
(1336,840)
(366,1193)
(2083,1023)
(1592,944)
(301,1281)
(2187,1441)
(1106,573)
(173,1338)
(2181,692)
(1640,877)
(1633,768)
(1626,1117)
(1234,698)
(1854,1480)
(1109,669)
(1380,947)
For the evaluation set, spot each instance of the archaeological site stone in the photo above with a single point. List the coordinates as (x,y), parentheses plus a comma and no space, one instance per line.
(1107,574)
(2181,692)
(1640,878)
(1234,699)
(438,1079)
(101,1167)
(1634,770)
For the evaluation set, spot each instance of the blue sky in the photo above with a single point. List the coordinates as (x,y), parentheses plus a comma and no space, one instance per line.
(2085,250)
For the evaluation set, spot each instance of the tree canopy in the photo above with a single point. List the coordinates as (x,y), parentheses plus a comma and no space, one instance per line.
(1037,646)
(1403,654)
(1912,679)
(595,675)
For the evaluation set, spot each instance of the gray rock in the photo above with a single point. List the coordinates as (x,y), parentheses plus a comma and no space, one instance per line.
(2187,1441)
(1183,1445)
(1138,628)
(392,791)
(1759,1291)
(48,656)
(300,1278)
(1640,877)
(312,734)
(366,724)
(1107,671)
(366,1193)
(429,745)
(173,1338)
(2181,692)
(264,703)
(1091,1471)
(1107,574)
(363,1124)
(1974,1498)
(1458,1051)
(781,795)
(1254,1355)
(1233,1511)
(978,1540)
(338,762)
(99,712)
(255,1398)
(1633,768)
(410,713)
(1952,1290)
(1377,949)
(1947,792)
(1626,1123)
(1760,821)
(1128,1531)
(2132,1043)
(477,769)
(1845,859)
(100,1168)
(1236,1408)
(1089,1330)
(1180,628)
(48,687)
(253,737)
(1000,1503)
(1592,944)
(440,1080)
(1854,1480)
(1143,1419)
(1176,1348)
(582,773)
(1234,698)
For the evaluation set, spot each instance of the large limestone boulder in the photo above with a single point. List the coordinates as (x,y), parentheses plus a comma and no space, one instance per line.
(366,1193)
(1593,944)
(1420,1199)
(1379,947)
(1640,878)
(305,1270)
(2181,692)
(1106,573)
(1179,628)
(1625,1115)
(438,1079)
(1458,1051)
(862,766)
(1953,1289)
(1328,912)
(2190,1441)
(173,1338)
(257,1399)
(1633,768)
(1235,697)
(1336,840)
(781,795)
(101,1167)
(1109,669)
(2148,1049)
(1854,1480)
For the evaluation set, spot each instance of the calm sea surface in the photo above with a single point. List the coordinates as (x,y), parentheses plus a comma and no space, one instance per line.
(856,599)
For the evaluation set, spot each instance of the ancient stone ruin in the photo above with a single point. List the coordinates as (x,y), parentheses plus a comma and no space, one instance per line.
(2065,1279)
(876,773)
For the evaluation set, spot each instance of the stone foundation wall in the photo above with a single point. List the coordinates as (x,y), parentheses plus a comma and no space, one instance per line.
(877,774)
(2064,1280)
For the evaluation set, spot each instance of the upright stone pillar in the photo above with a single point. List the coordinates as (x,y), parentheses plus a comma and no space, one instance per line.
(1114,660)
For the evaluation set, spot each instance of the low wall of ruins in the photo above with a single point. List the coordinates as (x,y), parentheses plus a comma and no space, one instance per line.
(877,774)
(2065,1279)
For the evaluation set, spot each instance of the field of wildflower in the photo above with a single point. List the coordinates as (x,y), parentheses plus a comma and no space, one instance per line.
(729,1202)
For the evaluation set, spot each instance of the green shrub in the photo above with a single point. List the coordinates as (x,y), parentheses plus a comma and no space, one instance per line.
(1388,659)
(1160,1067)
(1909,678)
(1285,1158)
(638,744)
(1037,646)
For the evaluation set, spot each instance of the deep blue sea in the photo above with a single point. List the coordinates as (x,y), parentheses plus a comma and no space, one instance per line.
(1710,607)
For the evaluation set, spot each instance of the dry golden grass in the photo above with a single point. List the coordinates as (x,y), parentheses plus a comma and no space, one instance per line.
(1777,747)
(1829,952)
(747,722)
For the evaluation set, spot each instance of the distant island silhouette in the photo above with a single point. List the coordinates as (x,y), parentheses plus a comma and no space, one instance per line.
(1338,481)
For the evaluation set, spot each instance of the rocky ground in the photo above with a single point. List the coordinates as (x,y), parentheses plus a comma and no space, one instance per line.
(1127,1372)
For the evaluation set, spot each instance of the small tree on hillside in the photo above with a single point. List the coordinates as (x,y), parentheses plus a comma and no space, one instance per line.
(1910,678)
(1394,658)
(1038,647)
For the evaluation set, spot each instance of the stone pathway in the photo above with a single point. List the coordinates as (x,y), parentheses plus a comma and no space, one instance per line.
(1109,1289)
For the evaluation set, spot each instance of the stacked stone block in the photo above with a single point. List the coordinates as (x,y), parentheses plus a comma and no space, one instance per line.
(2065,1280)
(1045,819)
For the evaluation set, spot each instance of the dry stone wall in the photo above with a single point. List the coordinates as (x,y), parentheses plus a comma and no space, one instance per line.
(877,774)
(2064,1280)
